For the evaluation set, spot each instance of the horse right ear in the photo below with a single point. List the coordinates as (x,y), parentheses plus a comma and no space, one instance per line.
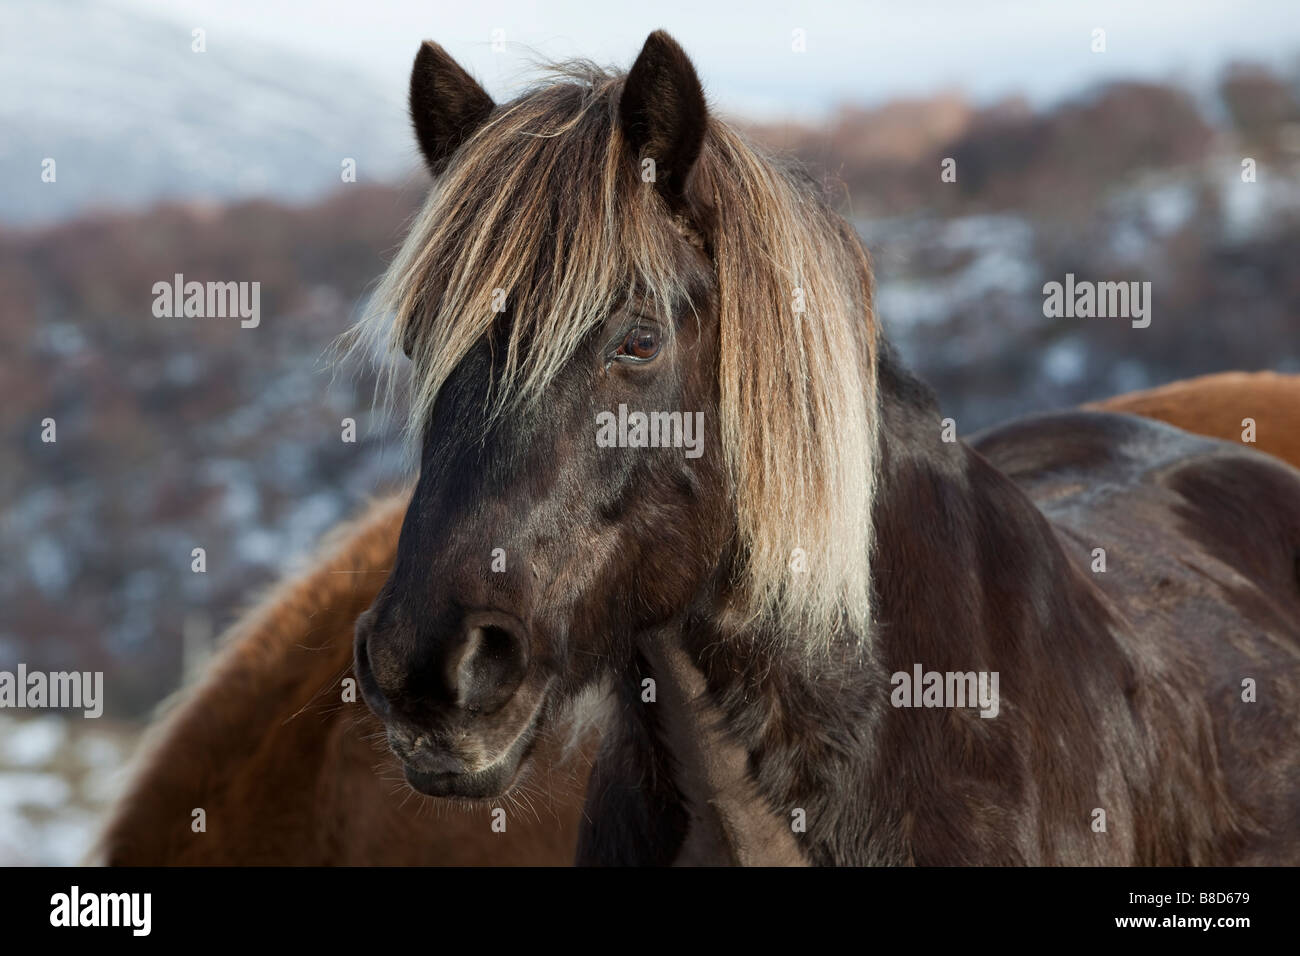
(447,105)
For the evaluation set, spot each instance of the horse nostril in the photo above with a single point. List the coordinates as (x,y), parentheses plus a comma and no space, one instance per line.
(488,663)
(371,692)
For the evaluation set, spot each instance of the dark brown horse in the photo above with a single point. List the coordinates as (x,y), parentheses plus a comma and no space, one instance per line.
(288,773)
(1075,640)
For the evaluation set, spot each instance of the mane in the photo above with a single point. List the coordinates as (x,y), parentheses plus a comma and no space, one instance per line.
(542,208)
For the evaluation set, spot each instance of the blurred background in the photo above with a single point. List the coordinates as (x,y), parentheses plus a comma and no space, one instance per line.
(1121,163)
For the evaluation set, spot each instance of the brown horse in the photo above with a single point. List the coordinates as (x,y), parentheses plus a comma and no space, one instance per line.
(283,761)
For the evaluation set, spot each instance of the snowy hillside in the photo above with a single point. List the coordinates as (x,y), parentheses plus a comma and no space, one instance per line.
(130,114)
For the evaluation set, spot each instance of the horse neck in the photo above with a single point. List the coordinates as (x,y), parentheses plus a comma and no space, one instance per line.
(959,551)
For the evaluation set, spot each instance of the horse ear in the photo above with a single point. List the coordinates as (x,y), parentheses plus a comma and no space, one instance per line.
(447,105)
(663,113)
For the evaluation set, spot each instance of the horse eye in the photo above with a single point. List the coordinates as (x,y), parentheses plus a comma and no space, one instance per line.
(641,344)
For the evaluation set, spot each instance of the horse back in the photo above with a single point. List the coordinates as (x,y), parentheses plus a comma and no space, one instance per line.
(1225,405)
(1193,545)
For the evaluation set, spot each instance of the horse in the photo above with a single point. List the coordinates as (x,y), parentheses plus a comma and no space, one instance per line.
(285,767)
(290,774)
(848,580)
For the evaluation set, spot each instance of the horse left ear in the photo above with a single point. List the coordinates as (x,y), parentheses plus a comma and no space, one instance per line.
(663,113)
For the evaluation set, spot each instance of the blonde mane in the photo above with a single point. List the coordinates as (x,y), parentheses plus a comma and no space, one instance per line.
(544,208)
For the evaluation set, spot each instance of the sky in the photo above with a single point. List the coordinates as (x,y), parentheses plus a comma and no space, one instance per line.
(864,52)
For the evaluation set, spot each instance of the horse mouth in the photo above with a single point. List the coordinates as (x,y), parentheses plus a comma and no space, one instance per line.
(495,781)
